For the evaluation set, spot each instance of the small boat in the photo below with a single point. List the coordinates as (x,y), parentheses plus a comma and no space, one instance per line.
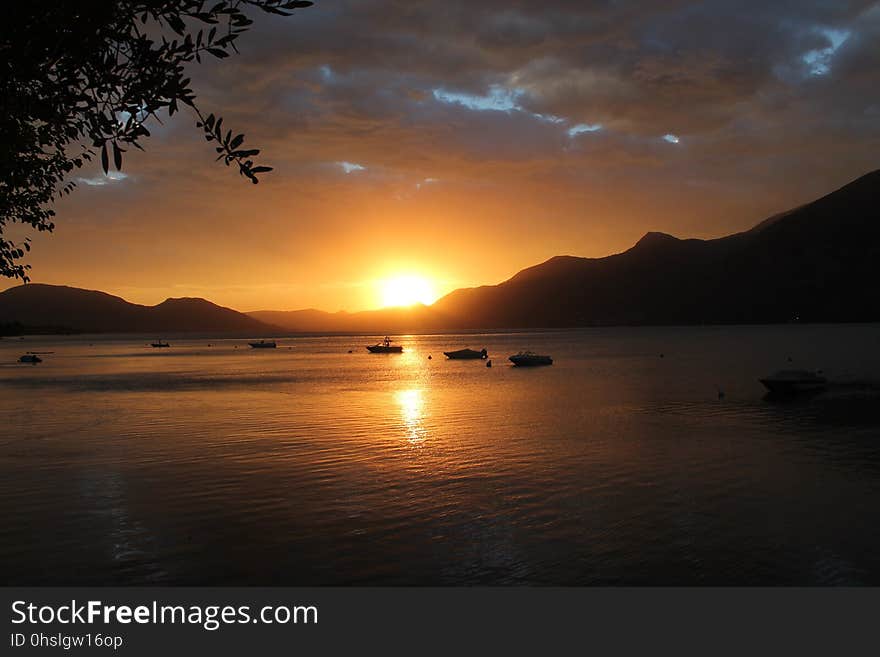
(30,358)
(528,359)
(793,381)
(262,344)
(159,344)
(385,347)
(466,354)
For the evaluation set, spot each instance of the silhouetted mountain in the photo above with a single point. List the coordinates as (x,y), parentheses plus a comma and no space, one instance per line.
(814,263)
(415,319)
(89,311)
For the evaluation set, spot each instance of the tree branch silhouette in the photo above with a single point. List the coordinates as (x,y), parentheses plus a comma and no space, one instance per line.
(80,80)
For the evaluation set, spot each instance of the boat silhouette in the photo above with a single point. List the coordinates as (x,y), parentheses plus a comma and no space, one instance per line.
(466,354)
(385,347)
(529,359)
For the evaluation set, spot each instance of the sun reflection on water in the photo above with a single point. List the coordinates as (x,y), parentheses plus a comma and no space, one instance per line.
(412,410)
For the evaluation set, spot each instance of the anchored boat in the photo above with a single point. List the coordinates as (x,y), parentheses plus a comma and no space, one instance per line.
(529,359)
(263,344)
(466,354)
(385,347)
(793,381)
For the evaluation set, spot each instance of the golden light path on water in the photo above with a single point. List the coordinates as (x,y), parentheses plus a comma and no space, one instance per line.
(411,404)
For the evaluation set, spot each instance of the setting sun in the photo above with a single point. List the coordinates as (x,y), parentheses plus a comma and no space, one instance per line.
(407,290)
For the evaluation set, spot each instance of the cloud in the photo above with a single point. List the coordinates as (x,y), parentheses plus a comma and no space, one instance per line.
(103,179)
(348,167)
(425,87)
(819,60)
(498,99)
(582,128)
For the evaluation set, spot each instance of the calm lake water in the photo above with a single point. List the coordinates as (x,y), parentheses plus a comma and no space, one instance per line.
(213,463)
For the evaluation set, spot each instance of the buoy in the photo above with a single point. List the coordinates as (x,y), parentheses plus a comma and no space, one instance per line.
(429,356)
(661,356)
(488,363)
(350,351)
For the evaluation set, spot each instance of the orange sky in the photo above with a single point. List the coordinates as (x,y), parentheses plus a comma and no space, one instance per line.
(462,147)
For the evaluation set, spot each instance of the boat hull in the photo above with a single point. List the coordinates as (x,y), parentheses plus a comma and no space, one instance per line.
(262,345)
(465,354)
(382,349)
(790,382)
(530,361)
(778,387)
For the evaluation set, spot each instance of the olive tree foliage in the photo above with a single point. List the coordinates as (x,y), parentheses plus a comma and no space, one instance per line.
(82,79)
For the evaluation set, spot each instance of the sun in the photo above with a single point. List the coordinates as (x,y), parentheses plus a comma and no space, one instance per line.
(407,290)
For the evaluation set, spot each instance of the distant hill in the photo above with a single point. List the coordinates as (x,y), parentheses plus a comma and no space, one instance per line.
(89,311)
(816,263)
(414,319)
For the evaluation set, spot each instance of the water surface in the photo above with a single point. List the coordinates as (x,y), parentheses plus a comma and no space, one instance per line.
(212,463)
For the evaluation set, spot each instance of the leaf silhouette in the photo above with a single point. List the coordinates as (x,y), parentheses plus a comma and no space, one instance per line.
(117,156)
(119,66)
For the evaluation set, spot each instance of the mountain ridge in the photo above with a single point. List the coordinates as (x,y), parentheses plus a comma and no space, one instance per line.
(93,311)
(807,264)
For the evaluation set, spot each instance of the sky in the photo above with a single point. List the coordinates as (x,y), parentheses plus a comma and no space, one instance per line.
(459,142)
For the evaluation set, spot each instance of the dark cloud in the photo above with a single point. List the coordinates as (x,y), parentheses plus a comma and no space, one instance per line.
(674,67)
